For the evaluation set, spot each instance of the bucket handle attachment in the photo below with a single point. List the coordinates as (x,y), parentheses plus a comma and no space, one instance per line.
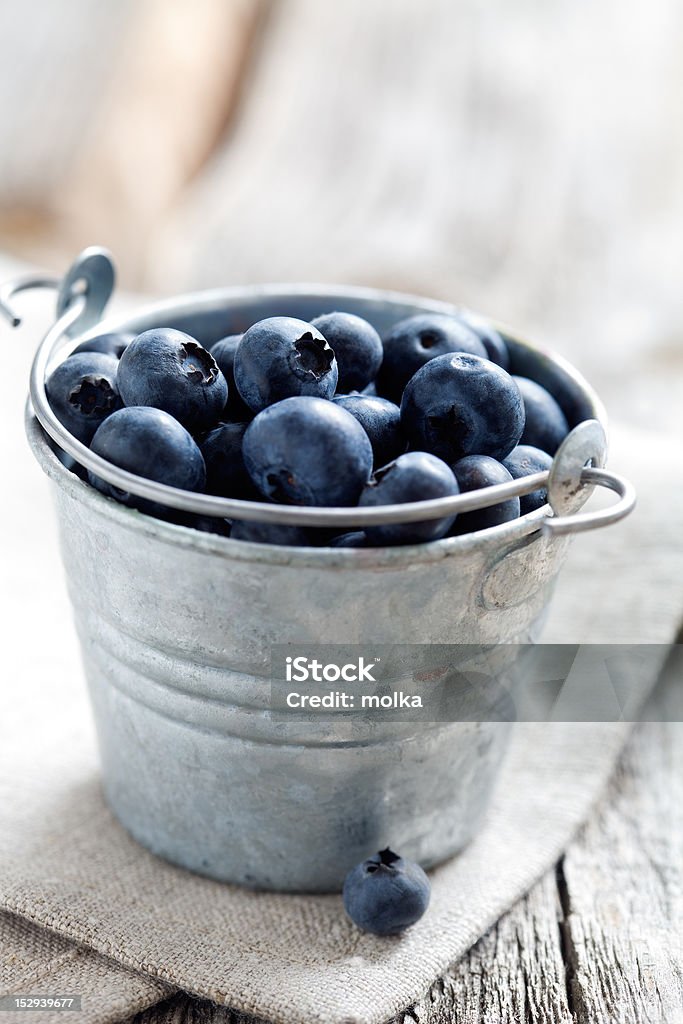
(89,282)
(82,295)
(577,464)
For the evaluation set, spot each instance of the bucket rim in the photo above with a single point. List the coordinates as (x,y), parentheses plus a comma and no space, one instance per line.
(250,551)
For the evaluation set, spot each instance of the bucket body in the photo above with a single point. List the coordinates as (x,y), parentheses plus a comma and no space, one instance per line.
(177,626)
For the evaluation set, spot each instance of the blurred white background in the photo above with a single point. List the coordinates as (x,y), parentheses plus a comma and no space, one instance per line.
(524,158)
(520,157)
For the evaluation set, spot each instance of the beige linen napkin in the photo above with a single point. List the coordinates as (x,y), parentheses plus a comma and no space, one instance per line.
(66,864)
(37,961)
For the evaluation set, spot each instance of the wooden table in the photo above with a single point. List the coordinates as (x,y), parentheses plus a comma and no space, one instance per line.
(518,159)
(599,938)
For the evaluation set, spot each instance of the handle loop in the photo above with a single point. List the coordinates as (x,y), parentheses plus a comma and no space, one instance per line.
(79,308)
(581,521)
(91,277)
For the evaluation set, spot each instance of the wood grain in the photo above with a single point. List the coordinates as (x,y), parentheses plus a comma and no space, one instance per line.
(524,160)
(598,941)
(622,882)
(514,973)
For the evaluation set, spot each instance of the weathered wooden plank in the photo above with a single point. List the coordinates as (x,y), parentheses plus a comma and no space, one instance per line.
(598,942)
(383,213)
(183,1009)
(514,973)
(622,883)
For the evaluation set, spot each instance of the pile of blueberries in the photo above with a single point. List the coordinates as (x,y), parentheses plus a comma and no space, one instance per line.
(324,413)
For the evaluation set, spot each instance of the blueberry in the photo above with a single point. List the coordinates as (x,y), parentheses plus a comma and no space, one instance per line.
(82,392)
(386,894)
(272,533)
(355,539)
(413,342)
(282,358)
(491,339)
(357,348)
(306,451)
(524,461)
(149,443)
(546,425)
(233,341)
(226,474)
(113,344)
(169,370)
(381,421)
(473,472)
(223,352)
(415,476)
(208,524)
(70,463)
(460,405)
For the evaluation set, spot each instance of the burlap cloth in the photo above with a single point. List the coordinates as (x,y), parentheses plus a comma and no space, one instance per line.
(67,864)
(123,929)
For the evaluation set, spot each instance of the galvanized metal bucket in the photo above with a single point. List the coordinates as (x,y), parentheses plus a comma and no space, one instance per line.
(176,629)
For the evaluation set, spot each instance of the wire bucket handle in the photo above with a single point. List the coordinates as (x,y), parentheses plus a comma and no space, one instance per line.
(82,296)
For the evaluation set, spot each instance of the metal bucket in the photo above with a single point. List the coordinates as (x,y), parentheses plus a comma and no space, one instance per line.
(176,629)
